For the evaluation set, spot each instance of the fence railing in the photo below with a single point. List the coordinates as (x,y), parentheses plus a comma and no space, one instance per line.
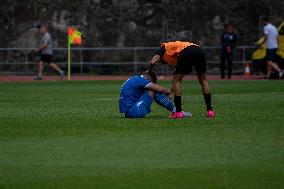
(109,61)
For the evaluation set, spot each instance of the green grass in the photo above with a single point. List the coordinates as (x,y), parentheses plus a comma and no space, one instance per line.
(70,135)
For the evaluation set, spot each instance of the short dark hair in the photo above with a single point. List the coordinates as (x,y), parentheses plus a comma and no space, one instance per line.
(38,26)
(152,76)
(228,24)
(265,19)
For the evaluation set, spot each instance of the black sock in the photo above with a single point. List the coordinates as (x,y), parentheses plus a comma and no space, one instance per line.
(207,98)
(177,101)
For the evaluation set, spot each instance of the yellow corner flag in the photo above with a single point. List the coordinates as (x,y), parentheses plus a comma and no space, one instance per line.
(74,37)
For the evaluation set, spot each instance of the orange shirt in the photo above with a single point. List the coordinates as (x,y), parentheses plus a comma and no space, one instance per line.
(173,50)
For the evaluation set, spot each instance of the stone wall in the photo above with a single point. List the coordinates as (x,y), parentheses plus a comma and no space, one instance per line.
(134,22)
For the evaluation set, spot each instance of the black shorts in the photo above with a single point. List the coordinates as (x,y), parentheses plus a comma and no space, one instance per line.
(46,58)
(270,54)
(189,57)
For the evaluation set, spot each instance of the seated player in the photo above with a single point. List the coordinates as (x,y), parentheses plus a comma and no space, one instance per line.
(138,93)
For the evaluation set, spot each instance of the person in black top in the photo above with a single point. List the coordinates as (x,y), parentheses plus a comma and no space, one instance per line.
(228,41)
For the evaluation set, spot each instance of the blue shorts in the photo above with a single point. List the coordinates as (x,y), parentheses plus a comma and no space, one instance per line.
(141,108)
(270,54)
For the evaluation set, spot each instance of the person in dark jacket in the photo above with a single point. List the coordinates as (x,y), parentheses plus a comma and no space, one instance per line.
(228,41)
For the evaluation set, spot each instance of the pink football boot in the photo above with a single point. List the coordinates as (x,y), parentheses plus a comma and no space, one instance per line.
(177,115)
(210,114)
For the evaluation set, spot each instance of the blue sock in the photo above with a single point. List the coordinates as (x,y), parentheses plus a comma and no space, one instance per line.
(164,101)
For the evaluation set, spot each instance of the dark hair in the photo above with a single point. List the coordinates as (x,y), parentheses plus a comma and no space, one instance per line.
(160,50)
(152,76)
(265,19)
(228,24)
(38,26)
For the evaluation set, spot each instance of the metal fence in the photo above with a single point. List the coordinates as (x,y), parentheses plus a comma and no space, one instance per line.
(108,61)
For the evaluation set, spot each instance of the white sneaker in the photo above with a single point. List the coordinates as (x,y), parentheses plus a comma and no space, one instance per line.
(187,114)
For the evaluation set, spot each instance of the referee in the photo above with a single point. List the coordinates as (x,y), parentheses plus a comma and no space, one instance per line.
(45,49)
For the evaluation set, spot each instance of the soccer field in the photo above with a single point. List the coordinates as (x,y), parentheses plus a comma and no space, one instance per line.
(70,135)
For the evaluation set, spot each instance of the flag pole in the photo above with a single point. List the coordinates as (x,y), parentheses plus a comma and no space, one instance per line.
(69,58)
(74,37)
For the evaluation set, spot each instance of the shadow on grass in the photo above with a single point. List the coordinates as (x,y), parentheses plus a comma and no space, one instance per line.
(150,117)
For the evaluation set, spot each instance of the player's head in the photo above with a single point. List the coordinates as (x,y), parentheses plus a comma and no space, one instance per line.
(265,20)
(151,77)
(161,51)
(42,28)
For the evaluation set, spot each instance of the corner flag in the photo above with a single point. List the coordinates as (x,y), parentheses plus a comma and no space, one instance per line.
(74,37)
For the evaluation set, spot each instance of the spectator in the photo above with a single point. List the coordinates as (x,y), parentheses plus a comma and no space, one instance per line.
(228,41)
(271,42)
(45,49)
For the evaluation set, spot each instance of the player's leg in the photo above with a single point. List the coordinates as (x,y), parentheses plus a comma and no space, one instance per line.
(269,70)
(142,107)
(184,66)
(203,83)
(206,93)
(176,86)
(54,66)
(270,55)
(177,91)
(272,66)
(40,69)
(200,68)
(57,68)
(164,101)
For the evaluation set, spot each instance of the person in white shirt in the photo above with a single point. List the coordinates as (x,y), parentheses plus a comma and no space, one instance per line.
(271,42)
(45,49)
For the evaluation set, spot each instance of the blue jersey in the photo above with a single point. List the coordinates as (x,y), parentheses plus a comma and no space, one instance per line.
(131,91)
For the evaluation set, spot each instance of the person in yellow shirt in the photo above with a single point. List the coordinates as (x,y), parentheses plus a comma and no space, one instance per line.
(184,56)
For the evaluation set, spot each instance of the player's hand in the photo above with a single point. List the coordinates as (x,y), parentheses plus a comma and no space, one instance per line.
(150,68)
(172,94)
(167,92)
